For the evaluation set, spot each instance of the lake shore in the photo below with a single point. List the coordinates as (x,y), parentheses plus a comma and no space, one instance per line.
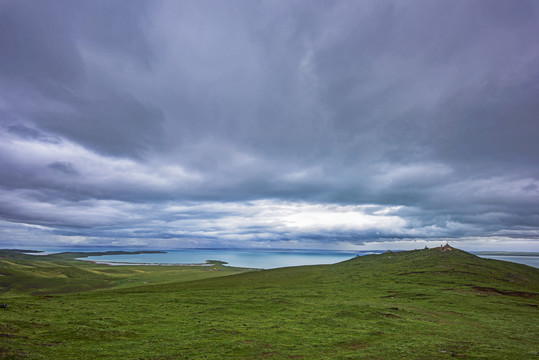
(113,263)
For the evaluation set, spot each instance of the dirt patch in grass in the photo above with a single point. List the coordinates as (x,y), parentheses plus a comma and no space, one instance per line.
(276,354)
(356,346)
(12,354)
(8,335)
(494,291)
(456,350)
(438,272)
(388,315)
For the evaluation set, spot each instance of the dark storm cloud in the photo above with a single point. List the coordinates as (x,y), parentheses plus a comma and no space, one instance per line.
(37,47)
(64,167)
(112,123)
(44,62)
(269,122)
(30,133)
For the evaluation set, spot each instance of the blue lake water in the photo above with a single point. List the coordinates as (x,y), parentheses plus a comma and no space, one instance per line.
(261,259)
(526,260)
(252,258)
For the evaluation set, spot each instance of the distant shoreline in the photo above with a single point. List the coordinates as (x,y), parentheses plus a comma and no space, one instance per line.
(138,251)
(527,258)
(505,253)
(114,263)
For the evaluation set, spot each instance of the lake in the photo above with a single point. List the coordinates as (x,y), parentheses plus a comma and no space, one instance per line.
(526,260)
(253,258)
(260,259)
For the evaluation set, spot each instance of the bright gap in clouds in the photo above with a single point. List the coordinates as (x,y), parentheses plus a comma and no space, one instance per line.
(103,200)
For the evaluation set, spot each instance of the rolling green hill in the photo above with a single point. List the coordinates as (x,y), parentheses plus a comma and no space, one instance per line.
(423,304)
(62,273)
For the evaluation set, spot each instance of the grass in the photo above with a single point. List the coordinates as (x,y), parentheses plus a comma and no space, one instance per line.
(61,273)
(421,304)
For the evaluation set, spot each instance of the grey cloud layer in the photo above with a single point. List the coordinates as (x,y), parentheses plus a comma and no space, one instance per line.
(112,112)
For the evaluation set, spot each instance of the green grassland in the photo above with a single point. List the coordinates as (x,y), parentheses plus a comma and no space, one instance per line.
(62,273)
(423,304)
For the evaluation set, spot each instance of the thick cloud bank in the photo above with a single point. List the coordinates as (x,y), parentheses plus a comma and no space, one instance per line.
(269,124)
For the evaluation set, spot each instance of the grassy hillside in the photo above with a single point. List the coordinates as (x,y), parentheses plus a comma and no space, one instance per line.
(62,273)
(420,304)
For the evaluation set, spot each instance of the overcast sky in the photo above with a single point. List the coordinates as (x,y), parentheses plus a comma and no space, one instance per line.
(285,124)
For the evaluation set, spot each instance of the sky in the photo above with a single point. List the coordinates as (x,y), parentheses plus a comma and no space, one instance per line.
(269,124)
